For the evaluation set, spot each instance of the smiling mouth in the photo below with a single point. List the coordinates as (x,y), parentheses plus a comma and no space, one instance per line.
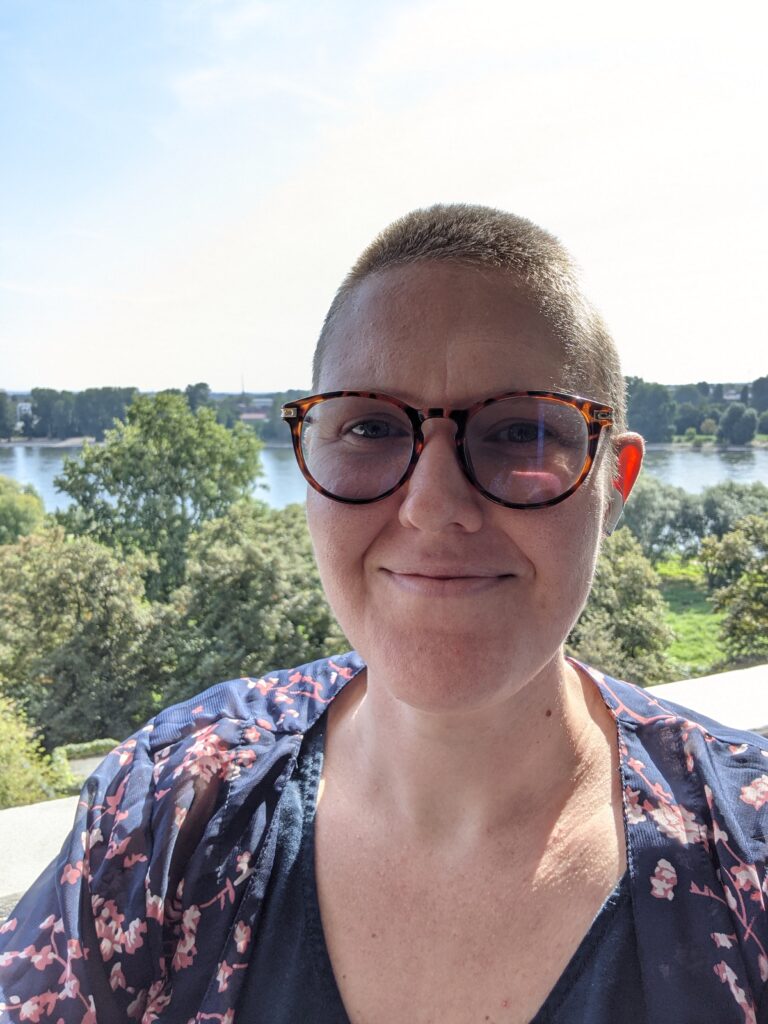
(438,584)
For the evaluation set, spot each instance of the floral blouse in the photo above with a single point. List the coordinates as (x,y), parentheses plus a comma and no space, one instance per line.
(151,911)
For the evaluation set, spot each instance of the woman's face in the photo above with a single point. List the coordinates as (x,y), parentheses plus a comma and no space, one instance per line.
(436,586)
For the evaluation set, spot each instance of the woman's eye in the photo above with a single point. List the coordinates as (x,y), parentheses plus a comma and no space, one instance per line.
(521,433)
(372,429)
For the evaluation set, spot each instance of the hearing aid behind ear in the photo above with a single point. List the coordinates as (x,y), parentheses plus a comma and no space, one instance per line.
(614,513)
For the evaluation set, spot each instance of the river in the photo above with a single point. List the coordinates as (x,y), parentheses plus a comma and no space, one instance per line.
(692,470)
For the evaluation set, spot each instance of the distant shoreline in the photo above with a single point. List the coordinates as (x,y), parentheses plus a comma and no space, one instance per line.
(78,442)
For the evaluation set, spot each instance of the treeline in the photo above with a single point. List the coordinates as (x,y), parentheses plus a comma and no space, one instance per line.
(697,411)
(660,413)
(165,575)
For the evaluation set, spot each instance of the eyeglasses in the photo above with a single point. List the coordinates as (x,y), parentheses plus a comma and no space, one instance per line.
(524,449)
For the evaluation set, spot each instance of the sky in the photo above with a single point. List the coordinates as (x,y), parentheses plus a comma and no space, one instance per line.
(184,183)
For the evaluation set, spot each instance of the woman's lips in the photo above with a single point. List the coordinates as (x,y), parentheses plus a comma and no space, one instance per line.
(445,584)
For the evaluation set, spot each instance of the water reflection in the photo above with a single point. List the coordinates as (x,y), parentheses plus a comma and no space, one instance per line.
(695,470)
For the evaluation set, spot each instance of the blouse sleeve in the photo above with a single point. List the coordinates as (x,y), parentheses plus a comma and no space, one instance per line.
(114,919)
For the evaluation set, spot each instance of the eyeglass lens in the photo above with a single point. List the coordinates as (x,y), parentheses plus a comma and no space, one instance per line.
(521,450)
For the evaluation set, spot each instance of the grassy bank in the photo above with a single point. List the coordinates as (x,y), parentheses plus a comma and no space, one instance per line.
(697,646)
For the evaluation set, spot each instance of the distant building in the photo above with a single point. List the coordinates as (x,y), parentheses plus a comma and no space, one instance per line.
(253,417)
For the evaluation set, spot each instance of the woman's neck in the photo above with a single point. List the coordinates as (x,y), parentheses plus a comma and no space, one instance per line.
(462,776)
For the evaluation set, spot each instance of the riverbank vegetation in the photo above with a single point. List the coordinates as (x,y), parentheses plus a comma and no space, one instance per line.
(693,414)
(165,576)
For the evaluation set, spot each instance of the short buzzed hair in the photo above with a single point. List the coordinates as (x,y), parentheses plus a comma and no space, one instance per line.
(479,236)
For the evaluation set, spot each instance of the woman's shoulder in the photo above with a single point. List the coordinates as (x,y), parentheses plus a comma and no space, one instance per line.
(281,701)
(161,850)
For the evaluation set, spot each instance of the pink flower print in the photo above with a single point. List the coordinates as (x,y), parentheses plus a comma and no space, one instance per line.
(252,734)
(10,925)
(727,975)
(207,756)
(244,868)
(34,1008)
(133,933)
(663,881)
(180,816)
(745,877)
(223,974)
(155,908)
(117,978)
(678,823)
(48,922)
(756,793)
(738,748)
(228,1017)
(242,936)
(720,835)
(43,958)
(186,950)
(762,961)
(723,941)
(90,1013)
(632,803)
(71,873)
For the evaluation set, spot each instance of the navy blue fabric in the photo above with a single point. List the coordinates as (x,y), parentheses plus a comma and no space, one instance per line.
(153,910)
(291,973)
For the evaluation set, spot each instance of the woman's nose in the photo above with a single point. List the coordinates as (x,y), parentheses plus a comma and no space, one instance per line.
(438,494)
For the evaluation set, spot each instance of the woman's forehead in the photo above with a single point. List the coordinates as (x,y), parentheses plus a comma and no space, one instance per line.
(445,330)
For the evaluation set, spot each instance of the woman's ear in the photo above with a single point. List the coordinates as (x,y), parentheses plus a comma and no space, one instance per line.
(630,449)
(629,458)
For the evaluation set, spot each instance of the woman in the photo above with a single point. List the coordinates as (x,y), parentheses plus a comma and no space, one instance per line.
(458,823)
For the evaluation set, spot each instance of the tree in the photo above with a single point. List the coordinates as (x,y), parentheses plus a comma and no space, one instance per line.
(688,415)
(717,393)
(622,629)
(744,394)
(197,395)
(74,632)
(762,423)
(665,520)
(738,425)
(737,566)
(650,410)
(760,394)
(21,510)
(252,601)
(725,504)
(156,479)
(96,409)
(7,415)
(703,388)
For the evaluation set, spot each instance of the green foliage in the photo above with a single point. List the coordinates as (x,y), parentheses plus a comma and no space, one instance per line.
(738,424)
(708,425)
(85,413)
(650,409)
(26,773)
(75,636)
(737,566)
(252,601)
(21,510)
(274,428)
(725,504)
(7,415)
(156,479)
(762,423)
(197,395)
(622,628)
(760,394)
(664,519)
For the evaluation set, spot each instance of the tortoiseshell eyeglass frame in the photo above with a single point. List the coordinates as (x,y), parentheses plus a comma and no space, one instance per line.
(596,416)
